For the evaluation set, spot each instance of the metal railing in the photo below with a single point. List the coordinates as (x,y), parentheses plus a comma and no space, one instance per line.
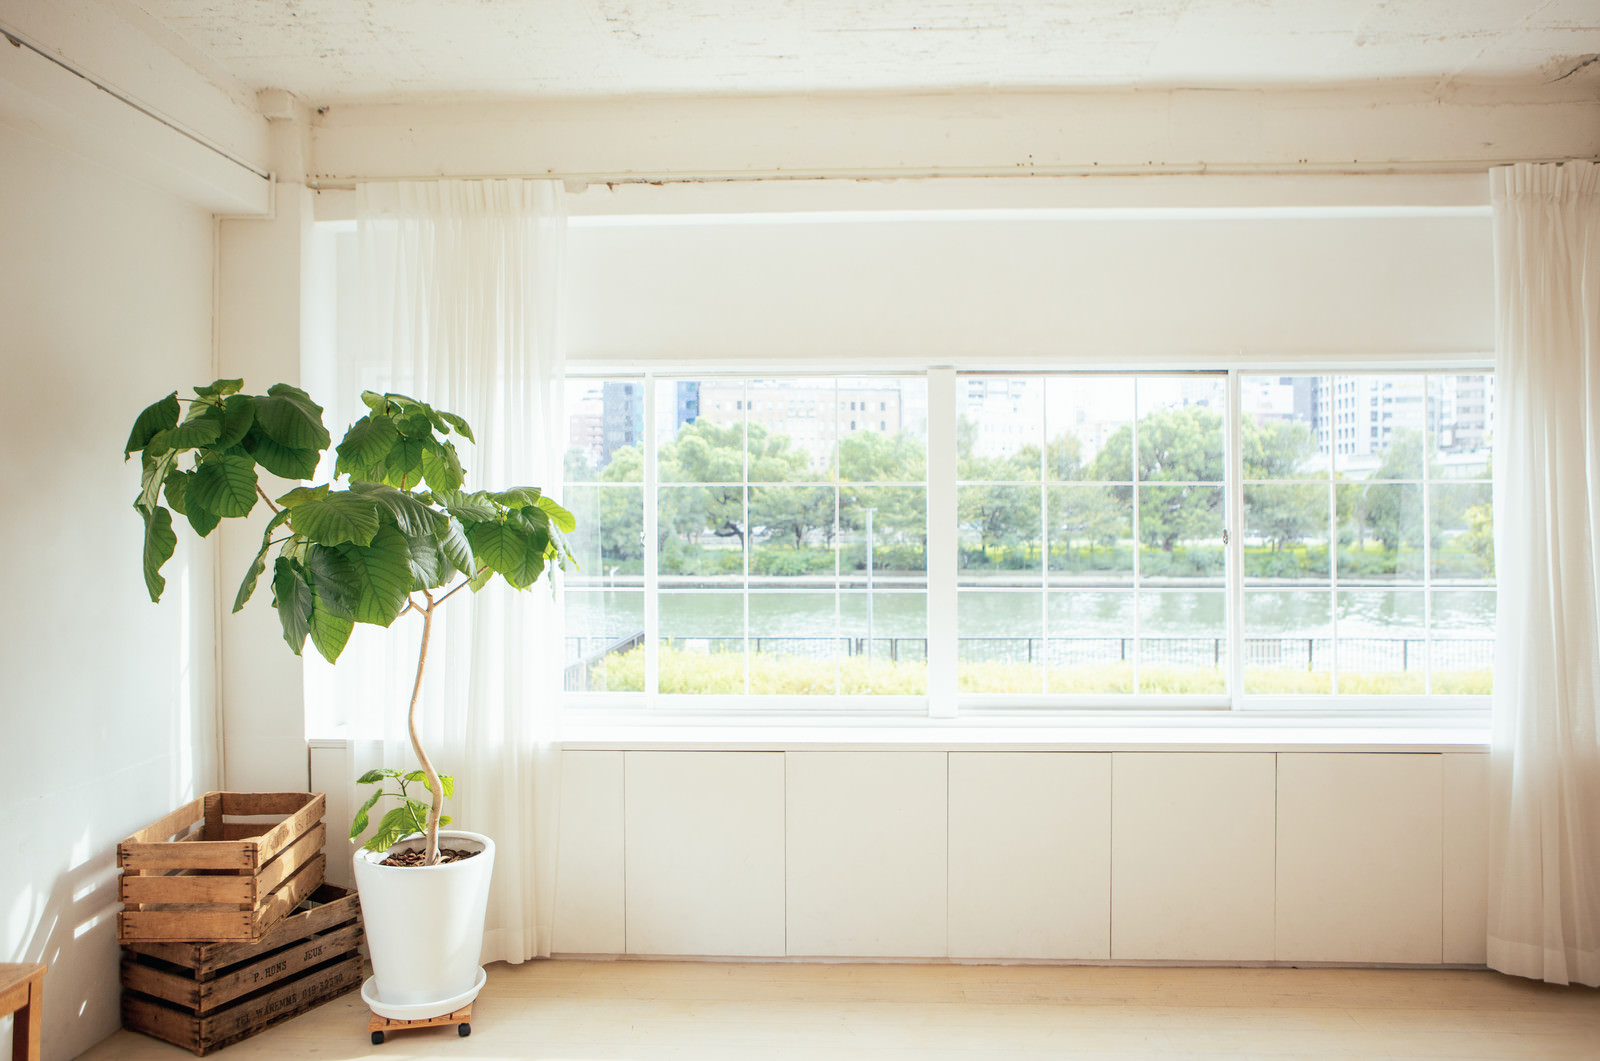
(1356,654)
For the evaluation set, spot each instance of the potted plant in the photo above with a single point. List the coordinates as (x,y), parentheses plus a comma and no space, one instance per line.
(400,536)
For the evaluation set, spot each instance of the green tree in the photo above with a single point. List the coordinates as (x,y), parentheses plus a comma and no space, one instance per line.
(1394,512)
(1182,445)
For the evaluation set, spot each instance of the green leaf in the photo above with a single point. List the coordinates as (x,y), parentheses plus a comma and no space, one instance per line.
(453,543)
(225,483)
(191,434)
(154,419)
(259,564)
(395,825)
(329,632)
(291,595)
(368,441)
(448,783)
(383,576)
(481,579)
(428,569)
(176,486)
(373,776)
(518,496)
(469,508)
(220,389)
(378,403)
(236,417)
(404,463)
(442,468)
(288,416)
(414,518)
(159,545)
(202,519)
(417,424)
(333,518)
(286,462)
(514,551)
(558,515)
(359,825)
(334,580)
(152,476)
(460,425)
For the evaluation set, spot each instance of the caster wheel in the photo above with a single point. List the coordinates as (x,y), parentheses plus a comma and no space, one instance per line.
(377,1038)
(465,1030)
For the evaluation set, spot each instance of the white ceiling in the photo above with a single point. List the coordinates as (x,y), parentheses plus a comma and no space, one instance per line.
(330,51)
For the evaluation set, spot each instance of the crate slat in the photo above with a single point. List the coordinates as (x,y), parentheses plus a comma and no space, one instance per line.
(182,988)
(334,906)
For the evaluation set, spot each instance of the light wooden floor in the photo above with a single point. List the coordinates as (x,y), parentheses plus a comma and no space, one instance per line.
(643,1011)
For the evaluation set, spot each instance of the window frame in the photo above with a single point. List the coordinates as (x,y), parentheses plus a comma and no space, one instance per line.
(943,703)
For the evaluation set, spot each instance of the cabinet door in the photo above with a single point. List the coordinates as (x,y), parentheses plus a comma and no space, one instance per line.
(1359,857)
(1466,859)
(866,853)
(1192,856)
(589,918)
(1030,855)
(705,853)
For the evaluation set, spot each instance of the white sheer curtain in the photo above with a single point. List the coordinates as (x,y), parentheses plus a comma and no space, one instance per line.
(460,305)
(1544,877)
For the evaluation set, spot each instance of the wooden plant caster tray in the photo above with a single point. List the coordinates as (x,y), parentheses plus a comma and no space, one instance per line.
(381,1026)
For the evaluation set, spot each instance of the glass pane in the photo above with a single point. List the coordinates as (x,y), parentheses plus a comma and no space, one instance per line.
(1000,642)
(791,425)
(1280,432)
(1183,643)
(883,535)
(702,532)
(700,427)
(999,533)
(1460,425)
(1285,532)
(1000,428)
(889,443)
(1088,425)
(1288,642)
(1378,424)
(1180,429)
(1180,530)
(702,642)
(1091,642)
(792,533)
(1463,642)
(885,640)
(1382,643)
(1380,532)
(605,431)
(1462,520)
(794,643)
(1091,535)
(608,542)
(605,641)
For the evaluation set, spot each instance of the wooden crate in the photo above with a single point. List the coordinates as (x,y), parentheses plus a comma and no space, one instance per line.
(204,996)
(196,875)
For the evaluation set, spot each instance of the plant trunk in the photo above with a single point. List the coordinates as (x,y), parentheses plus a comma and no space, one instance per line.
(428,771)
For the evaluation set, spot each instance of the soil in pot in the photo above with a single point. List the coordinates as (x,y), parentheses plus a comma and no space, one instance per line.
(417,858)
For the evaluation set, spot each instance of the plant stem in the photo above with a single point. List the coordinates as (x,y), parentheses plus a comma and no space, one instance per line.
(434,785)
(268,500)
(458,587)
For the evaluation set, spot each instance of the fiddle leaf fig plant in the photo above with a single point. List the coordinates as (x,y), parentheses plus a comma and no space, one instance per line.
(400,535)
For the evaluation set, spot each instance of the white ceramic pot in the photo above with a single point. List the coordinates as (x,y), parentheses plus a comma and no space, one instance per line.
(425,924)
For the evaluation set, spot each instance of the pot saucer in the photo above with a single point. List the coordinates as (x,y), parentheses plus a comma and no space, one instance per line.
(419,1010)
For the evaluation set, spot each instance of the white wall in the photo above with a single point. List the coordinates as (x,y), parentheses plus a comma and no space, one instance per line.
(105,294)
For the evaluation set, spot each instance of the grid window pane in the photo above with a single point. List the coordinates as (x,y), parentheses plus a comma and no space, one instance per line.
(1000,642)
(794,644)
(1285,533)
(1091,535)
(605,641)
(608,541)
(793,534)
(1180,429)
(1380,532)
(1180,529)
(1462,531)
(1462,661)
(1288,641)
(702,532)
(1280,432)
(700,431)
(605,431)
(884,635)
(889,443)
(999,534)
(1183,643)
(702,643)
(1083,414)
(1382,642)
(1091,645)
(883,535)
(999,428)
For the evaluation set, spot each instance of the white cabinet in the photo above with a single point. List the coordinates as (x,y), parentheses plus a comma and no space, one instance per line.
(866,836)
(589,911)
(1359,860)
(1030,855)
(704,843)
(1466,859)
(1192,856)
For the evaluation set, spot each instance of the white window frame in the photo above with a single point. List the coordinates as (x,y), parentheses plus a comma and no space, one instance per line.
(944,704)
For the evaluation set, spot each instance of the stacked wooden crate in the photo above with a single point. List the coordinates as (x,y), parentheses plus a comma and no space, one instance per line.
(227,926)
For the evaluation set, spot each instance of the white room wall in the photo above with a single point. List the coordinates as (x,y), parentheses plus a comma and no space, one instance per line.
(105,291)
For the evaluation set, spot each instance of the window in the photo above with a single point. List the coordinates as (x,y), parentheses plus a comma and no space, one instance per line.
(1203,539)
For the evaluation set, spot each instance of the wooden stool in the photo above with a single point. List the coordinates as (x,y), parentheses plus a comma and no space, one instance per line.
(22,993)
(379,1026)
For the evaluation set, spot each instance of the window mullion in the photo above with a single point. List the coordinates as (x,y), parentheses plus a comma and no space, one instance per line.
(1233,527)
(652,560)
(943,644)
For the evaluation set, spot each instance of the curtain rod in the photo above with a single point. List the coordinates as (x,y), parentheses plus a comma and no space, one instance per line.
(332,182)
(22,42)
